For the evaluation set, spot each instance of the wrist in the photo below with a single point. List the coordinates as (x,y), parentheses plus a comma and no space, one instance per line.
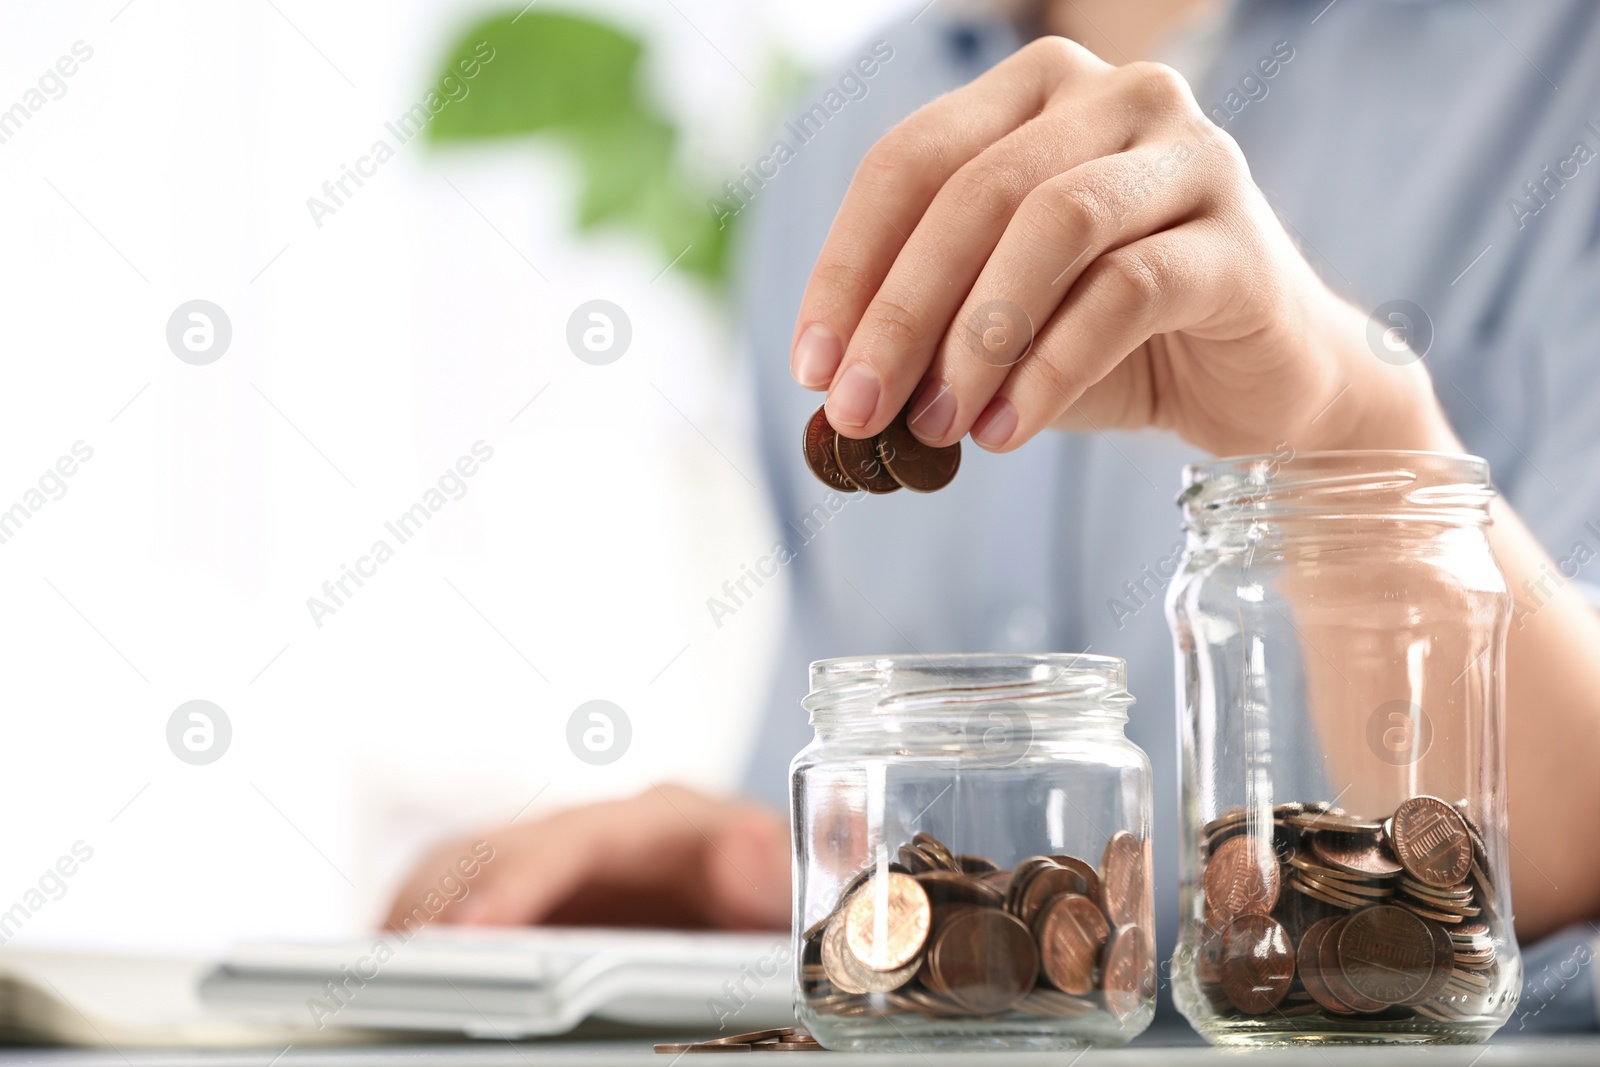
(1377,403)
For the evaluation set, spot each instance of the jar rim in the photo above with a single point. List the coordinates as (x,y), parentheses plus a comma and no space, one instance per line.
(1358,483)
(1060,684)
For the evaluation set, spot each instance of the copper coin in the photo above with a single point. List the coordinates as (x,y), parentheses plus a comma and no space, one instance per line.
(976,865)
(916,860)
(1308,963)
(817,445)
(1431,841)
(917,466)
(1444,961)
(1021,875)
(935,848)
(1338,821)
(1332,972)
(1052,1004)
(1085,871)
(983,959)
(1123,880)
(945,888)
(1046,884)
(1128,977)
(1257,963)
(1072,933)
(1363,854)
(750,1038)
(1386,953)
(886,922)
(843,978)
(858,459)
(1241,877)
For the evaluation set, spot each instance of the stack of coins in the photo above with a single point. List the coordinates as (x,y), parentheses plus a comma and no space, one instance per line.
(1329,914)
(883,463)
(947,936)
(779,1039)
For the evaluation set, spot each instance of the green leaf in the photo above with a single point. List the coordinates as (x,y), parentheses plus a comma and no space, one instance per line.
(543,70)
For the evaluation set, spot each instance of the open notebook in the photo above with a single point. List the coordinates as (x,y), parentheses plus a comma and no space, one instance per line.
(481,983)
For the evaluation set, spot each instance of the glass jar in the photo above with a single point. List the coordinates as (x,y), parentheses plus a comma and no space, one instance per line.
(1340,622)
(972,865)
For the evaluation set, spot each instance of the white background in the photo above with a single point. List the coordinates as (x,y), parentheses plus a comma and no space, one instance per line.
(367,356)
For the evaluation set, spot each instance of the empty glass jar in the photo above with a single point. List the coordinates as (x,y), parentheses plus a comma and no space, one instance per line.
(972,865)
(1340,622)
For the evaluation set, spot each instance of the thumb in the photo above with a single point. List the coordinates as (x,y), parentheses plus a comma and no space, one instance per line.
(747,872)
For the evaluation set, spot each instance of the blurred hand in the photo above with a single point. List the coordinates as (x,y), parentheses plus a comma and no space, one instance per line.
(669,857)
(1099,205)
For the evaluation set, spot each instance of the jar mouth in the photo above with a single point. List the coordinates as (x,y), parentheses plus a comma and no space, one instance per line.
(1060,684)
(1443,487)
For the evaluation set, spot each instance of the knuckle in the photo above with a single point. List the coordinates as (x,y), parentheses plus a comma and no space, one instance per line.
(905,151)
(893,324)
(1057,53)
(987,190)
(1073,212)
(842,276)
(1132,282)
(1160,88)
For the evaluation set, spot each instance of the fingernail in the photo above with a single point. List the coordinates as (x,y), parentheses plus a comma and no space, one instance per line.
(932,413)
(854,397)
(996,425)
(816,356)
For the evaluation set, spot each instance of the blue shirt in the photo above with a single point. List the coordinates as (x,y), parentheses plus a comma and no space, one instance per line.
(1437,151)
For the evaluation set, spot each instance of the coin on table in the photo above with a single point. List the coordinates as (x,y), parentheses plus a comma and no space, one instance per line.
(817,446)
(858,458)
(906,913)
(1257,963)
(1241,877)
(1386,953)
(919,467)
(1431,841)
(984,959)
(1128,977)
(1072,933)
(1123,880)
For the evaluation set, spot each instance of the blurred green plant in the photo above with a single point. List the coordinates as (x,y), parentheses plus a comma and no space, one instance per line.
(577,80)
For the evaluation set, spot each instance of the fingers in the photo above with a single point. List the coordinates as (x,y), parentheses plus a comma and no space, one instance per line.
(1058,232)
(669,856)
(1123,299)
(893,188)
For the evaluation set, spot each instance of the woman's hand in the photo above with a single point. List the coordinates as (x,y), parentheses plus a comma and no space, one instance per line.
(667,857)
(1066,243)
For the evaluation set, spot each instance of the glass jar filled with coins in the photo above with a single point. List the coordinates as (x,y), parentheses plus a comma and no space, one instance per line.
(1340,625)
(972,855)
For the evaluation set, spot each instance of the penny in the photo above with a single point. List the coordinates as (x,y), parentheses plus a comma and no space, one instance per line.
(751,1038)
(983,959)
(1053,1004)
(916,860)
(977,865)
(1257,963)
(1333,820)
(834,951)
(947,887)
(1308,964)
(1332,972)
(1046,884)
(919,467)
(1072,932)
(1444,958)
(1431,841)
(817,446)
(1364,854)
(1128,977)
(1085,871)
(1386,953)
(902,905)
(1123,882)
(858,458)
(1241,877)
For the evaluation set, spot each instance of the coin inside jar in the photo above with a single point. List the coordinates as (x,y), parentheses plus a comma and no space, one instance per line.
(1431,841)
(1257,963)
(1386,953)
(887,921)
(1122,879)
(1241,877)
(1072,932)
(983,959)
